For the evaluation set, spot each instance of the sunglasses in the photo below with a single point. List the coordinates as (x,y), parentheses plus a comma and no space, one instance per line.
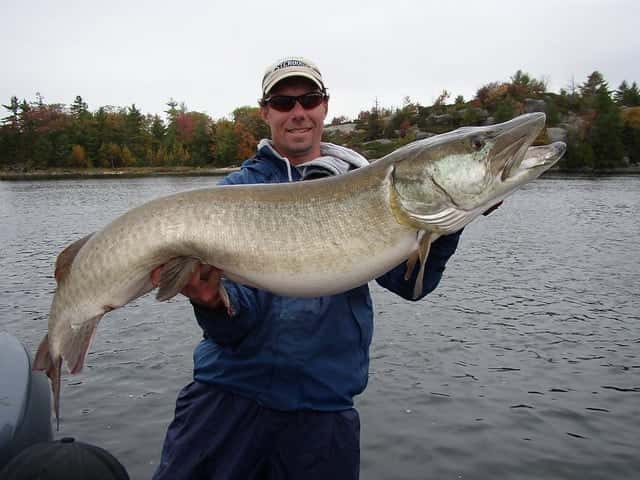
(285,103)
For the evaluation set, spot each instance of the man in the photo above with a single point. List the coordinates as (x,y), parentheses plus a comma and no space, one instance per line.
(275,377)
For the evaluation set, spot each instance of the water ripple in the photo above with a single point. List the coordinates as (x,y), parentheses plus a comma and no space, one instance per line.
(524,364)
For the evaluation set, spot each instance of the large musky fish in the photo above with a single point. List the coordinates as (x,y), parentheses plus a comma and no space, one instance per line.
(311,238)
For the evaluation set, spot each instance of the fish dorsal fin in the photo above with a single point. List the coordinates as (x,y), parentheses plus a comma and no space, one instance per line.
(65,258)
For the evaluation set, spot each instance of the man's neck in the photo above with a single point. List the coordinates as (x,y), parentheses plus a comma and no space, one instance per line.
(301,158)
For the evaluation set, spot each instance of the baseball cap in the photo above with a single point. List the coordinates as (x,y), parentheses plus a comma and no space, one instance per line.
(64,459)
(290,67)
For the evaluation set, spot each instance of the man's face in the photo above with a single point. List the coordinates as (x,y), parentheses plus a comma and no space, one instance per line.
(296,134)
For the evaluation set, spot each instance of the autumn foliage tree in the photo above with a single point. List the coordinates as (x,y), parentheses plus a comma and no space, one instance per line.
(603,127)
(34,134)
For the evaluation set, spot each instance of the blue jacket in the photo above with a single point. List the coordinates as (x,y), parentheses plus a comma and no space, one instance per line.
(297,353)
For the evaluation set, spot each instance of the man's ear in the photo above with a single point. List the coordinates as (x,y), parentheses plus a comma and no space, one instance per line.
(264,111)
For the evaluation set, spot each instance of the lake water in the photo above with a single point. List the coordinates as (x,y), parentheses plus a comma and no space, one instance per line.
(523,364)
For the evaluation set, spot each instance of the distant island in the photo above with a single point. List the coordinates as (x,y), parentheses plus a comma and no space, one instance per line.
(38,140)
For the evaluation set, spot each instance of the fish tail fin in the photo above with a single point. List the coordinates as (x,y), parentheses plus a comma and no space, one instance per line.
(46,362)
(74,346)
(175,276)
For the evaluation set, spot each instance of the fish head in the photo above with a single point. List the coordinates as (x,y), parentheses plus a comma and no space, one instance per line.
(441,184)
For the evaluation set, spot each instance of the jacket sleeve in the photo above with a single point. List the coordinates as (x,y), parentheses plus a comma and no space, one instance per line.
(248,175)
(439,254)
(225,329)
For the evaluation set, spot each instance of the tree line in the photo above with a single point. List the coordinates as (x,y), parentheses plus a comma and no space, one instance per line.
(600,125)
(37,135)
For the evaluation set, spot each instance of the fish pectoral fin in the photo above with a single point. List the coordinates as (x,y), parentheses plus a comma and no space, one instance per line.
(175,276)
(423,253)
(414,257)
(411,265)
(447,220)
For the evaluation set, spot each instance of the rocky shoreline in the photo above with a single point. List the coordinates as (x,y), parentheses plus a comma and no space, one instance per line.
(632,170)
(70,173)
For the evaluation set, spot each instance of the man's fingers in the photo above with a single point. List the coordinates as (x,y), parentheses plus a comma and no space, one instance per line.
(203,284)
(204,271)
(194,280)
(214,278)
(206,294)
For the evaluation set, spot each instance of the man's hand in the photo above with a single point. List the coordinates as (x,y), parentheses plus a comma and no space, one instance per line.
(203,287)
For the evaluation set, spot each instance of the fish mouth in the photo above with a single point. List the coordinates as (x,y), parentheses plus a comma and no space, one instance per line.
(542,157)
(512,139)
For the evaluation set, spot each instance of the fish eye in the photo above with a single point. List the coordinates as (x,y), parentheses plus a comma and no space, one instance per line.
(477,143)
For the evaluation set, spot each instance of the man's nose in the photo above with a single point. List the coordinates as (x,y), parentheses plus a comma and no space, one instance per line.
(298,110)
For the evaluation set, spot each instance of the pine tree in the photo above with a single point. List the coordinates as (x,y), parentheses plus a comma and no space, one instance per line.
(375,125)
(589,90)
(606,132)
(79,107)
(628,96)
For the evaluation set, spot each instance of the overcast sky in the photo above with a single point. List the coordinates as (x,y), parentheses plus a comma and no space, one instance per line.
(211,54)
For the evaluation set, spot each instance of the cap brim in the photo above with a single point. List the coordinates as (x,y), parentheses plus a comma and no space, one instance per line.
(284,75)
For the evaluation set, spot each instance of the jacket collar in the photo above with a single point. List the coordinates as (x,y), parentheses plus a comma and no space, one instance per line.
(334,160)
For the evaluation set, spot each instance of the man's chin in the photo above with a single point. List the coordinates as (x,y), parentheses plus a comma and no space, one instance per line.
(299,144)
(295,150)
